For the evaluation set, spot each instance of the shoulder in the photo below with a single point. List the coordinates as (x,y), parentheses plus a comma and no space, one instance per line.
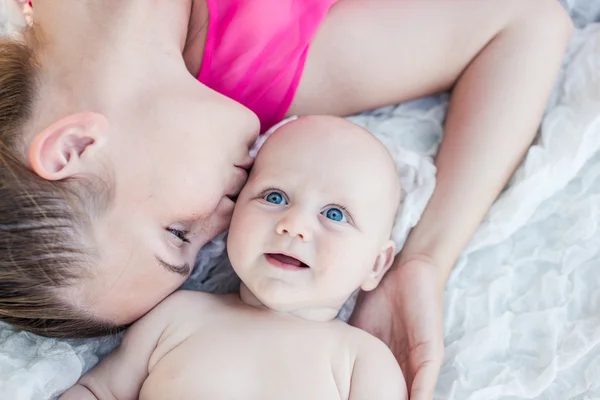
(365,348)
(371,347)
(178,314)
(376,367)
(180,307)
(187,299)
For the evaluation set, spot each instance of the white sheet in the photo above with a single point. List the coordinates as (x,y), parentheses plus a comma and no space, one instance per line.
(523,303)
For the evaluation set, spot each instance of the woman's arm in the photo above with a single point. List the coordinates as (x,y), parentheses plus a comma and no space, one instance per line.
(500,58)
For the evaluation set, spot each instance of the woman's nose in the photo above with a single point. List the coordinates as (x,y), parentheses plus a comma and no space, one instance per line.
(295,224)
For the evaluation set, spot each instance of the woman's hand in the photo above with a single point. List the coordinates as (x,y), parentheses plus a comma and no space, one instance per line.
(405,312)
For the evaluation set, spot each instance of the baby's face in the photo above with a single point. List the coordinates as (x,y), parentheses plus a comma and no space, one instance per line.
(313,222)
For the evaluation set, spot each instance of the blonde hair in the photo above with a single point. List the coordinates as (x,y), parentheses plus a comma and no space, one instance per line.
(44,225)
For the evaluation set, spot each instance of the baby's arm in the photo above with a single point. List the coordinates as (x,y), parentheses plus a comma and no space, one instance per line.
(120,375)
(376,373)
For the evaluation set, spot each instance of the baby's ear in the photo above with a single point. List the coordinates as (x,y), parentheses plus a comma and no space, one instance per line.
(382,264)
(66,148)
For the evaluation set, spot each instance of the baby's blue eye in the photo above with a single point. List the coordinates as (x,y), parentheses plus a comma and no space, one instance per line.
(275,198)
(335,214)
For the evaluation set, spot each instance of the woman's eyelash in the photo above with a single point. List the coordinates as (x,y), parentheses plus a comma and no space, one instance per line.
(181,235)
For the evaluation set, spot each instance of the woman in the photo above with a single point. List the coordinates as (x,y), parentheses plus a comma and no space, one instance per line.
(119,165)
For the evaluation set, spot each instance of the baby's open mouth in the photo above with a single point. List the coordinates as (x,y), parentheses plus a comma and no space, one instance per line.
(283,260)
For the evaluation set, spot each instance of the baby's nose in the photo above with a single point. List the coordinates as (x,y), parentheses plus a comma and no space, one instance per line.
(294,225)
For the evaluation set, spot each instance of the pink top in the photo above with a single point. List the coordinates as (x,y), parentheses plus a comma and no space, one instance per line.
(256,49)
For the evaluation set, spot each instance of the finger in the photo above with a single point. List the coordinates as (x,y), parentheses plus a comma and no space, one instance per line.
(425,380)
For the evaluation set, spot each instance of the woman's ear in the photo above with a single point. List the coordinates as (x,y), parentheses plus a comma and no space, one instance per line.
(382,264)
(62,150)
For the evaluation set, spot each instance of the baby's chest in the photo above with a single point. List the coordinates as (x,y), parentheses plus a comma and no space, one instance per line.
(253,364)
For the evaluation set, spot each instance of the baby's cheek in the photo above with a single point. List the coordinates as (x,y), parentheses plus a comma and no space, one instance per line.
(243,240)
(354,258)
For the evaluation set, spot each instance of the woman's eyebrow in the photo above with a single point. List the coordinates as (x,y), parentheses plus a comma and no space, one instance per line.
(183,270)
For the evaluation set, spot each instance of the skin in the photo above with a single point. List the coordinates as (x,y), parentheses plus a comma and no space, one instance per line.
(172,148)
(500,58)
(310,167)
(285,314)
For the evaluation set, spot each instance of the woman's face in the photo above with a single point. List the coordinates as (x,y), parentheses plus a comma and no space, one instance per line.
(176,160)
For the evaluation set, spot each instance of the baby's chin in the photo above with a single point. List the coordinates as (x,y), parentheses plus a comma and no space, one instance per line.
(306,307)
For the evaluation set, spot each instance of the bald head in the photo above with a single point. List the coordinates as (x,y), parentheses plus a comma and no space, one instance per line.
(335,154)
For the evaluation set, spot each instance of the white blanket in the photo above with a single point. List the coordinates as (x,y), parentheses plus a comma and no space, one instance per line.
(522,315)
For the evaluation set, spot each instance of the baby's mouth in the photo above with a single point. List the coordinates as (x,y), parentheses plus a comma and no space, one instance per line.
(285,261)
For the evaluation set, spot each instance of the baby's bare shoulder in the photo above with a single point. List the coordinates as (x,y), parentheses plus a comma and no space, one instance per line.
(185,298)
(181,315)
(362,344)
(350,341)
(376,371)
(187,304)
(351,334)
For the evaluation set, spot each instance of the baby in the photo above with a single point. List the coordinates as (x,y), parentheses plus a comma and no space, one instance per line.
(311,226)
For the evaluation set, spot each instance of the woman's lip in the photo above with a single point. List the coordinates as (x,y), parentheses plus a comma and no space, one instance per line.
(244,173)
(240,182)
(247,164)
(225,208)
